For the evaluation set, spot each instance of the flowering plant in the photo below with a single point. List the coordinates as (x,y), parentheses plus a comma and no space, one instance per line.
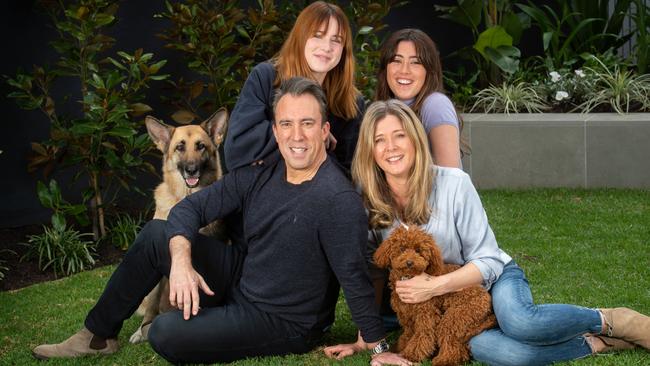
(565,89)
(604,84)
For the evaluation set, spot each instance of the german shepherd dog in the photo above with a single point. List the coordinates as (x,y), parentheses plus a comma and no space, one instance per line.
(191,162)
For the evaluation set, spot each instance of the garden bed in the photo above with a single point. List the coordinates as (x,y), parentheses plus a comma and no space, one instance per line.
(24,273)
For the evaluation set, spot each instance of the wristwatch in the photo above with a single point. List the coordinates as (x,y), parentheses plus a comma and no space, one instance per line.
(381,347)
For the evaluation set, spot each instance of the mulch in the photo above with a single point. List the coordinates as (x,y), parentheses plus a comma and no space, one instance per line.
(26,272)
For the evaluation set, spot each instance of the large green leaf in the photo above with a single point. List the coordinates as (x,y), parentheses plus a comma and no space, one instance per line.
(122,131)
(513,25)
(58,221)
(44,194)
(505,57)
(467,12)
(493,37)
(85,128)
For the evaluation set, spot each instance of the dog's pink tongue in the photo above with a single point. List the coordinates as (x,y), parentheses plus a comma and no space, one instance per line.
(191,181)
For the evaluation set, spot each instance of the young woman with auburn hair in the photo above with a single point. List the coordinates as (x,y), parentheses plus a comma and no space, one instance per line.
(319,47)
(393,169)
(410,70)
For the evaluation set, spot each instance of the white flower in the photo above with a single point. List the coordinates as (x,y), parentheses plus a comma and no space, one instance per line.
(580,73)
(561,95)
(555,76)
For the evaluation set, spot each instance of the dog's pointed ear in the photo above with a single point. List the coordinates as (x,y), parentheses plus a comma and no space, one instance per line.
(216,125)
(159,132)
(383,254)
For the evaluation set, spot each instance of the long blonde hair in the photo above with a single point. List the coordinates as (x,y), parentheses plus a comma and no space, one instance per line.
(339,82)
(368,175)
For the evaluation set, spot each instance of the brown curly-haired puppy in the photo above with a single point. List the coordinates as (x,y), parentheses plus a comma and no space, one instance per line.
(442,326)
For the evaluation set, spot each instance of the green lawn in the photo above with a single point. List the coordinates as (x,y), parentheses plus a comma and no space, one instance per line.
(588,247)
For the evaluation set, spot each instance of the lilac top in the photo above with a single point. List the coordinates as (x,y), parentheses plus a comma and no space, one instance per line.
(437,110)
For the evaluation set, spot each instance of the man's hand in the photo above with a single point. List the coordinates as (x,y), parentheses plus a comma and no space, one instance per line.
(184,281)
(341,351)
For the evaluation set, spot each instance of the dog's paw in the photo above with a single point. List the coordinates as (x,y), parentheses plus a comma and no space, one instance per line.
(140,335)
(136,337)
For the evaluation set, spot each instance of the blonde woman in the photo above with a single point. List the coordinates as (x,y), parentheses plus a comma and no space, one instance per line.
(319,47)
(400,184)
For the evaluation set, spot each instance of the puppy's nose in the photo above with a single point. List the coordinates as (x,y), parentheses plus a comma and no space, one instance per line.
(409,263)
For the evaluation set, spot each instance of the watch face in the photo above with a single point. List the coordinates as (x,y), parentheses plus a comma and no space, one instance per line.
(381,347)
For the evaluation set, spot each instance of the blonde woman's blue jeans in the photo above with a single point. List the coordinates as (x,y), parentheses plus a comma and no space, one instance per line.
(530,334)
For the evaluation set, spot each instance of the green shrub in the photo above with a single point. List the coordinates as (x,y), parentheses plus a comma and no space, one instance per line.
(496,31)
(616,88)
(509,97)
(124,229)
(61,249)
(100,140)
(574,27)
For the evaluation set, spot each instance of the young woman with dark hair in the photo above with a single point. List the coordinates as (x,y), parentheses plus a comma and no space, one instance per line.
(410,70)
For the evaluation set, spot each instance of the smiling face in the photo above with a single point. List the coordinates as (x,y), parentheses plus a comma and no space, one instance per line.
(405,73)
(300,132)
(324,48)
(393,150)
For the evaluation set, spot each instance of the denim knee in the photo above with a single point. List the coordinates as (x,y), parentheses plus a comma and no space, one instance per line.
(520,323)
(492,347)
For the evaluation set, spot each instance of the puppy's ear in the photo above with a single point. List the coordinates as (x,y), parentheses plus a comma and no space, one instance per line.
(383,254)
(436,265)
(159,132)
(216,125)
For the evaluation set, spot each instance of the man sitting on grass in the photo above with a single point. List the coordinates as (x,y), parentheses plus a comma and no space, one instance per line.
(273,291)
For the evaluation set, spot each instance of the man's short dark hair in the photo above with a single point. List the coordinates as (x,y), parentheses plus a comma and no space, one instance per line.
(298,86)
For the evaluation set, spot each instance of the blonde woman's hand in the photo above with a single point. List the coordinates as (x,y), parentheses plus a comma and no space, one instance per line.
(419,288)
(389,358)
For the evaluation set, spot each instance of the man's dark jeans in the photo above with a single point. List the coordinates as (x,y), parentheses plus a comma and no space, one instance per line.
(227,327)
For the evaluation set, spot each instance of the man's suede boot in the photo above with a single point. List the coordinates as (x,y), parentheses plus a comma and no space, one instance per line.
(80,344)
(628,325)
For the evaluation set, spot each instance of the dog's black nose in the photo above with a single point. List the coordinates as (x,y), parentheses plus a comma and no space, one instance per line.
(409,263)
(191,169)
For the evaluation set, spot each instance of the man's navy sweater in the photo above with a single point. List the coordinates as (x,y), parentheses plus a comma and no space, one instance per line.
(300,239)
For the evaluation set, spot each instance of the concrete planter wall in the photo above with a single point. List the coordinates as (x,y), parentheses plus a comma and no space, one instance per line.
(558,150)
